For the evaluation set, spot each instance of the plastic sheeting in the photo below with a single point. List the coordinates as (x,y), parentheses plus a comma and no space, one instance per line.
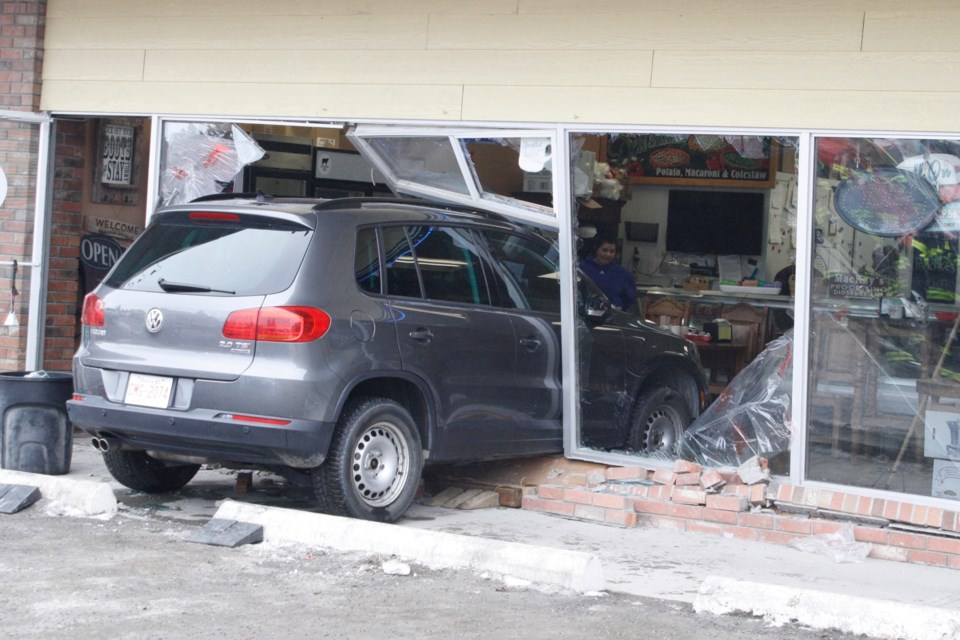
(202,158)
(750,418)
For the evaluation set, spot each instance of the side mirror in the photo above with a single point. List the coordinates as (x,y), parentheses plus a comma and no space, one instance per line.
(597,307)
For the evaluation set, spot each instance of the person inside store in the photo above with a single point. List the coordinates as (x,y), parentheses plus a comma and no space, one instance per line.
(615,281)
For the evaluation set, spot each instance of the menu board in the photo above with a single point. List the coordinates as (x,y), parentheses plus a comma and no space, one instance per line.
(694,160)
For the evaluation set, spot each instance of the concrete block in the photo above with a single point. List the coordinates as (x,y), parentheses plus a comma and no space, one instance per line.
(753,472)
(456,501)
(227,533)
(17,497)
(86,496)
(436,549)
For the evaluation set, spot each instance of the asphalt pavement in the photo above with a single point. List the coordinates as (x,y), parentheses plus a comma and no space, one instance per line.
(877,598)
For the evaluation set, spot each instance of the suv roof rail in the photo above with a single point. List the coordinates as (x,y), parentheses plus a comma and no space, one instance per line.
(211,197)
(340,203)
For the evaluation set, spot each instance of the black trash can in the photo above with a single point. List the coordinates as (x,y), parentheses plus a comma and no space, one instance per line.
(37,436)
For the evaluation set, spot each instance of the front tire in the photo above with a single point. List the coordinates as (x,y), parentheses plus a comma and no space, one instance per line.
(373,467)
(140,472)
(659,419)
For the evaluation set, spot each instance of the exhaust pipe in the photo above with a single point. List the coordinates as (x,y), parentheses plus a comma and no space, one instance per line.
(106,443)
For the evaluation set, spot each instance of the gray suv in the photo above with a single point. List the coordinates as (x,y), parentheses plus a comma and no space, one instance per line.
(346,343)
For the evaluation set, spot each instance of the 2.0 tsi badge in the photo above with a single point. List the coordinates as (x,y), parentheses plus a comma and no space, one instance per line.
(154,320)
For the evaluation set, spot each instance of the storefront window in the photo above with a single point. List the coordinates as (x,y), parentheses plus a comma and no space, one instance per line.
(692,238)
(884,373)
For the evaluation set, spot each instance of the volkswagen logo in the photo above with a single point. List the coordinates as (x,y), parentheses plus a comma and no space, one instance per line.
(154,320)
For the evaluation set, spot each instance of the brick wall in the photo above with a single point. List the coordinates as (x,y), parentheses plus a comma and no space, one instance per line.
(63,280)
(21,60)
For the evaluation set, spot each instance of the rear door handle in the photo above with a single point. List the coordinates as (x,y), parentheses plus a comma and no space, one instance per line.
(421,334)
(530,344)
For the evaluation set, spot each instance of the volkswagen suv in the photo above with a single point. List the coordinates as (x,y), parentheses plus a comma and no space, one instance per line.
(344,344)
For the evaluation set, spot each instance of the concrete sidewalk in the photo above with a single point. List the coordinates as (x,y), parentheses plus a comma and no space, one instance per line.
(877,598)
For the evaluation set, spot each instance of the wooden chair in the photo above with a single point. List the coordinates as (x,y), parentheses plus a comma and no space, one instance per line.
(837,360)
(749,326)
(667,312)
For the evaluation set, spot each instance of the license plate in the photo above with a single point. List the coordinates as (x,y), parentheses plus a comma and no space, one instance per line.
(148,391)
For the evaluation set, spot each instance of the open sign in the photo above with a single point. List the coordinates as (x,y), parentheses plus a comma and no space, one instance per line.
(99,251)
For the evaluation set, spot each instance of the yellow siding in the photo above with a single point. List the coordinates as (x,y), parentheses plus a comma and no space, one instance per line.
(814,71)
(857,64)
(583,68)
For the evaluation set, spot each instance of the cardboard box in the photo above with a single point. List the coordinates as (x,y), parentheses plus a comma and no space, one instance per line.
(946,480)
(941,436)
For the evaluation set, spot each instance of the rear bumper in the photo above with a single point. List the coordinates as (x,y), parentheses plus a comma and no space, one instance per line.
(301,444)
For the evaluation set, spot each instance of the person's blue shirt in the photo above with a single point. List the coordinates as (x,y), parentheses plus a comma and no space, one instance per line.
(615,281)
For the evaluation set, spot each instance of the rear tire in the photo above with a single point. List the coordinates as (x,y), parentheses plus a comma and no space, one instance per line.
(659,419)
(140,472)
(373,467)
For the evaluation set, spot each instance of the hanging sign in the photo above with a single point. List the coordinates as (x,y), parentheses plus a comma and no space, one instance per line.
(99,252)
(116,155)
(887,202)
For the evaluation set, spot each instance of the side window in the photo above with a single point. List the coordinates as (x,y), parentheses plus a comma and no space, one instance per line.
(450,265)
(528,272)
(401,270)
(366,261)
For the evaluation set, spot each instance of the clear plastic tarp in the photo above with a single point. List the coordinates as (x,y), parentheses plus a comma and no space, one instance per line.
(202,158)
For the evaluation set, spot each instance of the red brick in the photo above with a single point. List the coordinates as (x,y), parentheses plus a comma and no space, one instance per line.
(905,513)
(927,557)
(627,473)
(793,525)
(687,479)
(758,494)
(550,492)
(953,562)
(719,515)
(736,490)
(690,496)
(697,526)
(533,503)
(950,521)
(943,545)
(934,517)
(685,466)
(777,537)
(871,534)
(578,496)
(610,501)
(711,478)
(589,512)
(886,552)
(650,506)
(822,527)
(864,505)
(727,503)
(836,500)
(622,518)
(688,511)
(756,520)
(664,476)
(850,503)
(879,508)
(743,533)
(671,524)
(919,515)
(785,493)
(660,492)
(907,540)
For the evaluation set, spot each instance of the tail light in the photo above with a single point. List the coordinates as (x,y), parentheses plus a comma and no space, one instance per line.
(92,315)
(277,324)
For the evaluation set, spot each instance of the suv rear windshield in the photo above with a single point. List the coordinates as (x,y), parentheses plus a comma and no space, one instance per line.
(222,259)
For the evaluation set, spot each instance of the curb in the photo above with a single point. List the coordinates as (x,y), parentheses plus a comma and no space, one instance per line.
(823,610)
(573,570)
(89,497)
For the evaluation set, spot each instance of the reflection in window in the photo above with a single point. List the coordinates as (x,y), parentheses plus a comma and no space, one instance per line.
(428,161)
(885,361)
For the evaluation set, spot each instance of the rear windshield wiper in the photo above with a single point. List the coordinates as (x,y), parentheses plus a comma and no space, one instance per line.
(168,286)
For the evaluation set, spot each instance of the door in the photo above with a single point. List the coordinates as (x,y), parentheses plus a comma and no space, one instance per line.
(452,337)
(24,202)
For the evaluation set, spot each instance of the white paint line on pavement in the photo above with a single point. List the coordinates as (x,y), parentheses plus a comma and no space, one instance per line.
(823,610)
(89,497)
(574,570)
